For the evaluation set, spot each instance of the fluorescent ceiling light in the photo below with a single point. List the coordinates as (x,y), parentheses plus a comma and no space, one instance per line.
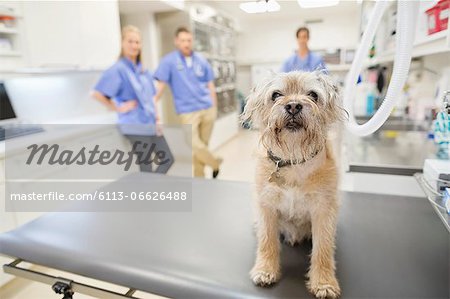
(272,6)
(253,7)
(317,3)
(260,6)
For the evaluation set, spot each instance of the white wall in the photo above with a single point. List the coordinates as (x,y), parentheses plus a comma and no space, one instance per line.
(267,42)
(273,41)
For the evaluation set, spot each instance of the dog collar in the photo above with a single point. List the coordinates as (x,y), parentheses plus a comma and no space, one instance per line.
(282,163)
(275,176)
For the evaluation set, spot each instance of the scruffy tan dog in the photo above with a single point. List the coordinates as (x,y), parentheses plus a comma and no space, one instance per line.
(296,176)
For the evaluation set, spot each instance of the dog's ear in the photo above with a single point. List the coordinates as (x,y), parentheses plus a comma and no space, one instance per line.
(254,105)
(329,85)
(334,102)
(250,108)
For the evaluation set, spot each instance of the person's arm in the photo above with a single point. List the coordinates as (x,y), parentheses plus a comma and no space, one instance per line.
(162,76)
(322,66)
(104,100)
(212,90)
(285,68)
(160,86)
(157,115)
(108,87)
(125,107)
(210,78)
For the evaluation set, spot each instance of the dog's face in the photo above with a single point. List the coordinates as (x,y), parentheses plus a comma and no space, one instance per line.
(294,112)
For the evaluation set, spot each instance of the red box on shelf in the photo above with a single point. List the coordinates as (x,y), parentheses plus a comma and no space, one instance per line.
(437,17)
(444,9)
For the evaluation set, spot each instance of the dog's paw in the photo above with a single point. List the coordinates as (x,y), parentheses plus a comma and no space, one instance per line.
(327,290)
(264,277)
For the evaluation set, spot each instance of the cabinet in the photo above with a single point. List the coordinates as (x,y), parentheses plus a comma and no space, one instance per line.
(100,33)
(385,40)
(68,34)
(10,25)
(11,35)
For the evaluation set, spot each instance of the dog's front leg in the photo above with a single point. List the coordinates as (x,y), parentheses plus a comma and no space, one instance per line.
(322,279)
(266,270)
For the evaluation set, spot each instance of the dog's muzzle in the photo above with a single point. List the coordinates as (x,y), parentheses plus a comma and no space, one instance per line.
(294,121)
(293,108)
(293,125)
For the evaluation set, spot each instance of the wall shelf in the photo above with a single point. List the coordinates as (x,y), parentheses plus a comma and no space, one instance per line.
(331,67)
(8,31)
(433,44)
(436,43)
(11,33)
(338,67)
(11,53)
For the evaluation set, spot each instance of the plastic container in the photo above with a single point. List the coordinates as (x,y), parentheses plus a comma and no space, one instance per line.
(370,108)
(444,10)
(432,19)
(437,17)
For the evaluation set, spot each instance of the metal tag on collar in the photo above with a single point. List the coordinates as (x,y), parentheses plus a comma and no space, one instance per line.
(275,176)
(277,165)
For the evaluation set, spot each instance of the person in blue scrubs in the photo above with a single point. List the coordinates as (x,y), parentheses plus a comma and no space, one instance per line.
(303,59)
(191,80)
(127,88)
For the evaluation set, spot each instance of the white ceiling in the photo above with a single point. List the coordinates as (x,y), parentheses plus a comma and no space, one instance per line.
(151,6)
(288,9)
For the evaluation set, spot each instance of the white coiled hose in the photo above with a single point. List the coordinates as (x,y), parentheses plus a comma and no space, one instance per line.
(407,13)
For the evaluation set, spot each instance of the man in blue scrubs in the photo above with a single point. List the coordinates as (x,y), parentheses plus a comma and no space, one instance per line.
(303,59)
(191,80)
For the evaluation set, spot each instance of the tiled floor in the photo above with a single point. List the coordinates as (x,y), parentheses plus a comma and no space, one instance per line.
(238,165)
(238,157)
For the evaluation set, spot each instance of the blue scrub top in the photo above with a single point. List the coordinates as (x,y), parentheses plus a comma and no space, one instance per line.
(189,85)
(311,62)
(126,81)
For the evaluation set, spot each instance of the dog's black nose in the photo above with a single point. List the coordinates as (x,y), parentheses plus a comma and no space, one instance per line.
(293,108)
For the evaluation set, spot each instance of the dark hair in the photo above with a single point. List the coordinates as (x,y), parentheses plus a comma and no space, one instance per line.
(181,30)
(300,30)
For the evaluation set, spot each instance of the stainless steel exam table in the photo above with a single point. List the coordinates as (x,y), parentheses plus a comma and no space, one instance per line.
(387,247)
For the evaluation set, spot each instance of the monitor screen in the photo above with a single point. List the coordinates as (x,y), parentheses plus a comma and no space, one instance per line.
(6,109)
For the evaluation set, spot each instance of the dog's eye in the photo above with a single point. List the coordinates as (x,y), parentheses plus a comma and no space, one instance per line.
(313,95)
(276,95)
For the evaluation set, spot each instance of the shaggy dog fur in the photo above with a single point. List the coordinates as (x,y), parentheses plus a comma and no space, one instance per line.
(294,113)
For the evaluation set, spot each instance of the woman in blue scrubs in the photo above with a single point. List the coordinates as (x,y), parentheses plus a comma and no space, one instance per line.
(128,89)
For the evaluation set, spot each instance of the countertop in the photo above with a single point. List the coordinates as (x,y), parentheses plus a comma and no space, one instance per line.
(389,152)
(60,129)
